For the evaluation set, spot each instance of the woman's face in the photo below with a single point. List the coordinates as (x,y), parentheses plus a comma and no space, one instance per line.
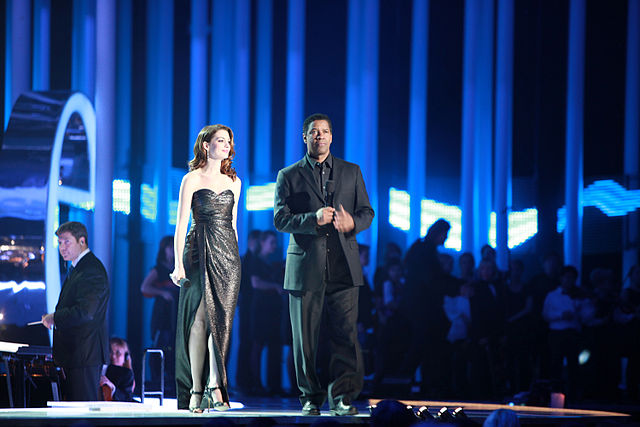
(395,272)
(117,355)
(219,146)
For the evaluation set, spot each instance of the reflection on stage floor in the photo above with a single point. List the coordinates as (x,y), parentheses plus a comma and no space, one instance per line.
(275,411)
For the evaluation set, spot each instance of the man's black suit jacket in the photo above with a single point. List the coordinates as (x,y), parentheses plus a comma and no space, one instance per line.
(80,335)
(297,199)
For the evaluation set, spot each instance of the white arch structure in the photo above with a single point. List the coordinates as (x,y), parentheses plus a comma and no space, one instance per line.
(32,156)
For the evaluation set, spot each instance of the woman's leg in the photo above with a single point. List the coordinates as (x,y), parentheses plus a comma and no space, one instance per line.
(214,375)
(197,351)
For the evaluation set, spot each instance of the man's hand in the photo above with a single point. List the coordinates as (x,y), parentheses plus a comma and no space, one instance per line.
(343,221)
(47,320)
(325,215)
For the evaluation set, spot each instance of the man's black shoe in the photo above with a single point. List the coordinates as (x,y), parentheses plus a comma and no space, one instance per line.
(310,409)
(342,409)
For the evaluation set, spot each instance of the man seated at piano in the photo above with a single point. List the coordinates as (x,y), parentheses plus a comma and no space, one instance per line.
(79,323)
(117,383)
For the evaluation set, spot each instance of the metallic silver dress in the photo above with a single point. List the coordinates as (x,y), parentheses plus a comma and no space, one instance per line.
(212,264)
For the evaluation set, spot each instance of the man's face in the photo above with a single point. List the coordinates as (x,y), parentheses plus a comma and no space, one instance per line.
(69,247)
(485,271)
(269,245)
(252,244)
(318,138)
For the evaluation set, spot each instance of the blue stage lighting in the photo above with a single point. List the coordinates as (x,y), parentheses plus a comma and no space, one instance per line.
(260,197)
(17,287)
(399,209)
(432,211)
(173,212)
(121,196)
(148,202)
(522,225)
(608,196)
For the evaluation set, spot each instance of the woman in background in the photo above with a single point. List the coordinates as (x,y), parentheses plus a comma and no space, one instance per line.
(158,285)
(117,382)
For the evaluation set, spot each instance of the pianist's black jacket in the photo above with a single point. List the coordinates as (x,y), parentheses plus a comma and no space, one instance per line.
(80,336)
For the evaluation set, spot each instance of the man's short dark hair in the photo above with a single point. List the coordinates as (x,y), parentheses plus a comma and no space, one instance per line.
(312,118)
(254,234)
(77,230)
(571,270)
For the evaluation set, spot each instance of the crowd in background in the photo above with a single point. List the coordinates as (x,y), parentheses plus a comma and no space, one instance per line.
(442,327)
(487,334)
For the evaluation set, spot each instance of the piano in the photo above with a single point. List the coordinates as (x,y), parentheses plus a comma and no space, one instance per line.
(26,366)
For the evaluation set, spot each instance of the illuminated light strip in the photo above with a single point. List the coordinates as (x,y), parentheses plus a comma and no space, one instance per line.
(399,209)
(608,196)
(148,202)
(15,287)
(173,212)
(611,198)
(121,196)
(260,197)
(432,211)
(522,225)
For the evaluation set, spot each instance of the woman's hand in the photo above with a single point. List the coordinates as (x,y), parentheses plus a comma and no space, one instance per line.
(105,381)
(178,273)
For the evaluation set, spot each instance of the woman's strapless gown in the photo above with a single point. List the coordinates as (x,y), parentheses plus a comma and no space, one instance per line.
(212,264)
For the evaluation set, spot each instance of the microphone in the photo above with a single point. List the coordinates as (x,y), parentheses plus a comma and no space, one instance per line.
(329,189)
(184,282)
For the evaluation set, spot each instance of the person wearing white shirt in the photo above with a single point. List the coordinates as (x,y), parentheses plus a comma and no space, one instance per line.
(561,311)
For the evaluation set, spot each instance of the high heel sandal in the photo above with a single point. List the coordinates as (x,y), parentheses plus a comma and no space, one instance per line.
(195,408)
(209,400)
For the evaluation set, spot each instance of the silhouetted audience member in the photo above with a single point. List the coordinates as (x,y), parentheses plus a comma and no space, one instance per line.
(597,313)
(518,328)
(458,311)
(562,313)
(423,305)
(158,285)
(502,418)
(244,378)
(467,266)
(392,251)
(628,327)
(366,314)
(392,346)
(266,310)
(540,285)
(389,412)
(487,327)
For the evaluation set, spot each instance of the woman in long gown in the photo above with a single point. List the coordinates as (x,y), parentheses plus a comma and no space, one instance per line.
(207,266)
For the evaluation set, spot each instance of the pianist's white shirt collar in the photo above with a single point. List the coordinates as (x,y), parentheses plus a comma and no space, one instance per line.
(83,253)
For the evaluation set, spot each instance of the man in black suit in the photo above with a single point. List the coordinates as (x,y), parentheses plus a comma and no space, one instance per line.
(80,337)
(322,202)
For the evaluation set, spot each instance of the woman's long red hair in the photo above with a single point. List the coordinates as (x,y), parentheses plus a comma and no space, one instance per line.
(200,154)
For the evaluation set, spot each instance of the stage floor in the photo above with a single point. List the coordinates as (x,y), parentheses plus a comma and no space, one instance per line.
(282,411)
